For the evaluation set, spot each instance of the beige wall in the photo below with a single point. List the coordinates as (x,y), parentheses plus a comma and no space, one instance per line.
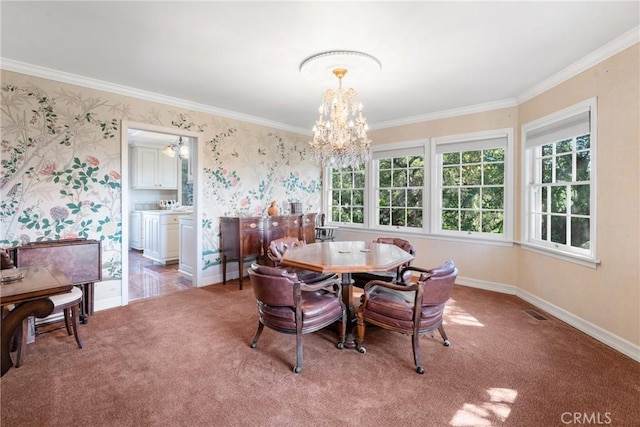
(499,263)
(607,297)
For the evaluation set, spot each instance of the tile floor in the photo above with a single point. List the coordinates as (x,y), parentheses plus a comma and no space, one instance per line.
(149,279)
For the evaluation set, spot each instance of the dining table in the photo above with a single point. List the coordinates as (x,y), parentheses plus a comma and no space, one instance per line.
(28,289)
(344,258)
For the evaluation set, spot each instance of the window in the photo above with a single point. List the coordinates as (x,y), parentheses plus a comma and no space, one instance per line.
(559,182)
(472,185)
(346,194)
(399,188)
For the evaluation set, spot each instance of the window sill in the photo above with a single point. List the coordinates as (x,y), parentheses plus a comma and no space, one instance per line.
(422,234)
(564,256)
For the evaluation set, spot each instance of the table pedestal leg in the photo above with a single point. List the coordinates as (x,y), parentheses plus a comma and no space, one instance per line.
(39,308)
(347,298)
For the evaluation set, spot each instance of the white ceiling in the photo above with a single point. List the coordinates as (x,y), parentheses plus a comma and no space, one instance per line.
(242,58)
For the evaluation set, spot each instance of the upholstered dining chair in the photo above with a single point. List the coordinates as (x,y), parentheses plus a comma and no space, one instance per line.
(276,251)
(361,279)
(285,304)
(411,308)
(69,304)
(278,247)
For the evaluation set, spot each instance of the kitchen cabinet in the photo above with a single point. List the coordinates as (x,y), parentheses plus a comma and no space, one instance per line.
(137,231)
(187,235)
(161,235)
(151,169)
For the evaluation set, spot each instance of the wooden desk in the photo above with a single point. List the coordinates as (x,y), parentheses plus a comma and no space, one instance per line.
(346,258)
(31,297)
(80,260)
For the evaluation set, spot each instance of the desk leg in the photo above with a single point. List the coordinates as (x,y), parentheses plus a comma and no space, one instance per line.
(347,298)
(86,308)
(224,269)
(39,308)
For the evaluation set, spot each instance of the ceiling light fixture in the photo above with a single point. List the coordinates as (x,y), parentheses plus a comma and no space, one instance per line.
(340,133)
(181,148)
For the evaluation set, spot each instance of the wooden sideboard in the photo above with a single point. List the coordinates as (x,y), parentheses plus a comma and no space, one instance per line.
(246,238)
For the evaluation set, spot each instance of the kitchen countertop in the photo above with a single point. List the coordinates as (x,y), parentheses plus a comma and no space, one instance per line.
(166,212)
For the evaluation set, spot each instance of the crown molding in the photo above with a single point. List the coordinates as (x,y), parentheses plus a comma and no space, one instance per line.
(614,47)
(617,45)
(74,79)
(626,40)
(454,112)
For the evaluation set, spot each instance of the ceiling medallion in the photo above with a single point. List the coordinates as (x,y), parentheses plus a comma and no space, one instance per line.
(319,67)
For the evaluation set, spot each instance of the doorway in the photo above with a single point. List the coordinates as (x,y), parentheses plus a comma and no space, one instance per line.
(144,277)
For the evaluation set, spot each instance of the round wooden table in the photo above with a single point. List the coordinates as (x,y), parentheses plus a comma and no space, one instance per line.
(345,258)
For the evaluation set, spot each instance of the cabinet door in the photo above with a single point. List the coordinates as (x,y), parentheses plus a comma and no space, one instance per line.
(145,167)
(152,242)
(169,237)
(135,238)
(251,236)
(167,172)
(309,228)
(187,258)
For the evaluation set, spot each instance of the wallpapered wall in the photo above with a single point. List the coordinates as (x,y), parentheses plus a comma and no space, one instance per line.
(61,168)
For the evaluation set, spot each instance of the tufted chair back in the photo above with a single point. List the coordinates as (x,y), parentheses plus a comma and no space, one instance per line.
(412,308)
(278,247)
(401,243)
(6,261)
(286,304)
(361,279)
(275,286)
(438,284)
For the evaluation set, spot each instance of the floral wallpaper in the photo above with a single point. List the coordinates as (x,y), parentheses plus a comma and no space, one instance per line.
(61,168)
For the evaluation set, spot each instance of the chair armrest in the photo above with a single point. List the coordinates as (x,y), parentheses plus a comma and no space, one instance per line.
(390,285)
(425,273)
(272,258)
(316,286)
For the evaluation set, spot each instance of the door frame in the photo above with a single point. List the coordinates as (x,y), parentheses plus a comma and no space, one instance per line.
(126,126)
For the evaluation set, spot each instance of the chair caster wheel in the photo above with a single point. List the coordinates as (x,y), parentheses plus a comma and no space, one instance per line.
(254,344)
(362,350)
(446,343)
(340,345)
(297,369)
(420,370)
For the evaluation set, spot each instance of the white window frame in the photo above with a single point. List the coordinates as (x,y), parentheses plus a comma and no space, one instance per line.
(328,198)
(532,130)
(397,149)
(470,142)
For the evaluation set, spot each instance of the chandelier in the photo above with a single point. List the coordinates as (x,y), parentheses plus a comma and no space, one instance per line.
(340,132)
(180,148)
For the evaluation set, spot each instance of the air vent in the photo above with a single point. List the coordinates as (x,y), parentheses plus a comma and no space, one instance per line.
(535,314)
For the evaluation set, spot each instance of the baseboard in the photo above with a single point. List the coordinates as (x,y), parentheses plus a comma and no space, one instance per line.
(615,342)
(487,286)
(104,304)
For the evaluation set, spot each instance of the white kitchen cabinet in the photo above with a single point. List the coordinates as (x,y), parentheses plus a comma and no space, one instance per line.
(151,169)
(187,234)
(161,236)
(151,236)
(136,233)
